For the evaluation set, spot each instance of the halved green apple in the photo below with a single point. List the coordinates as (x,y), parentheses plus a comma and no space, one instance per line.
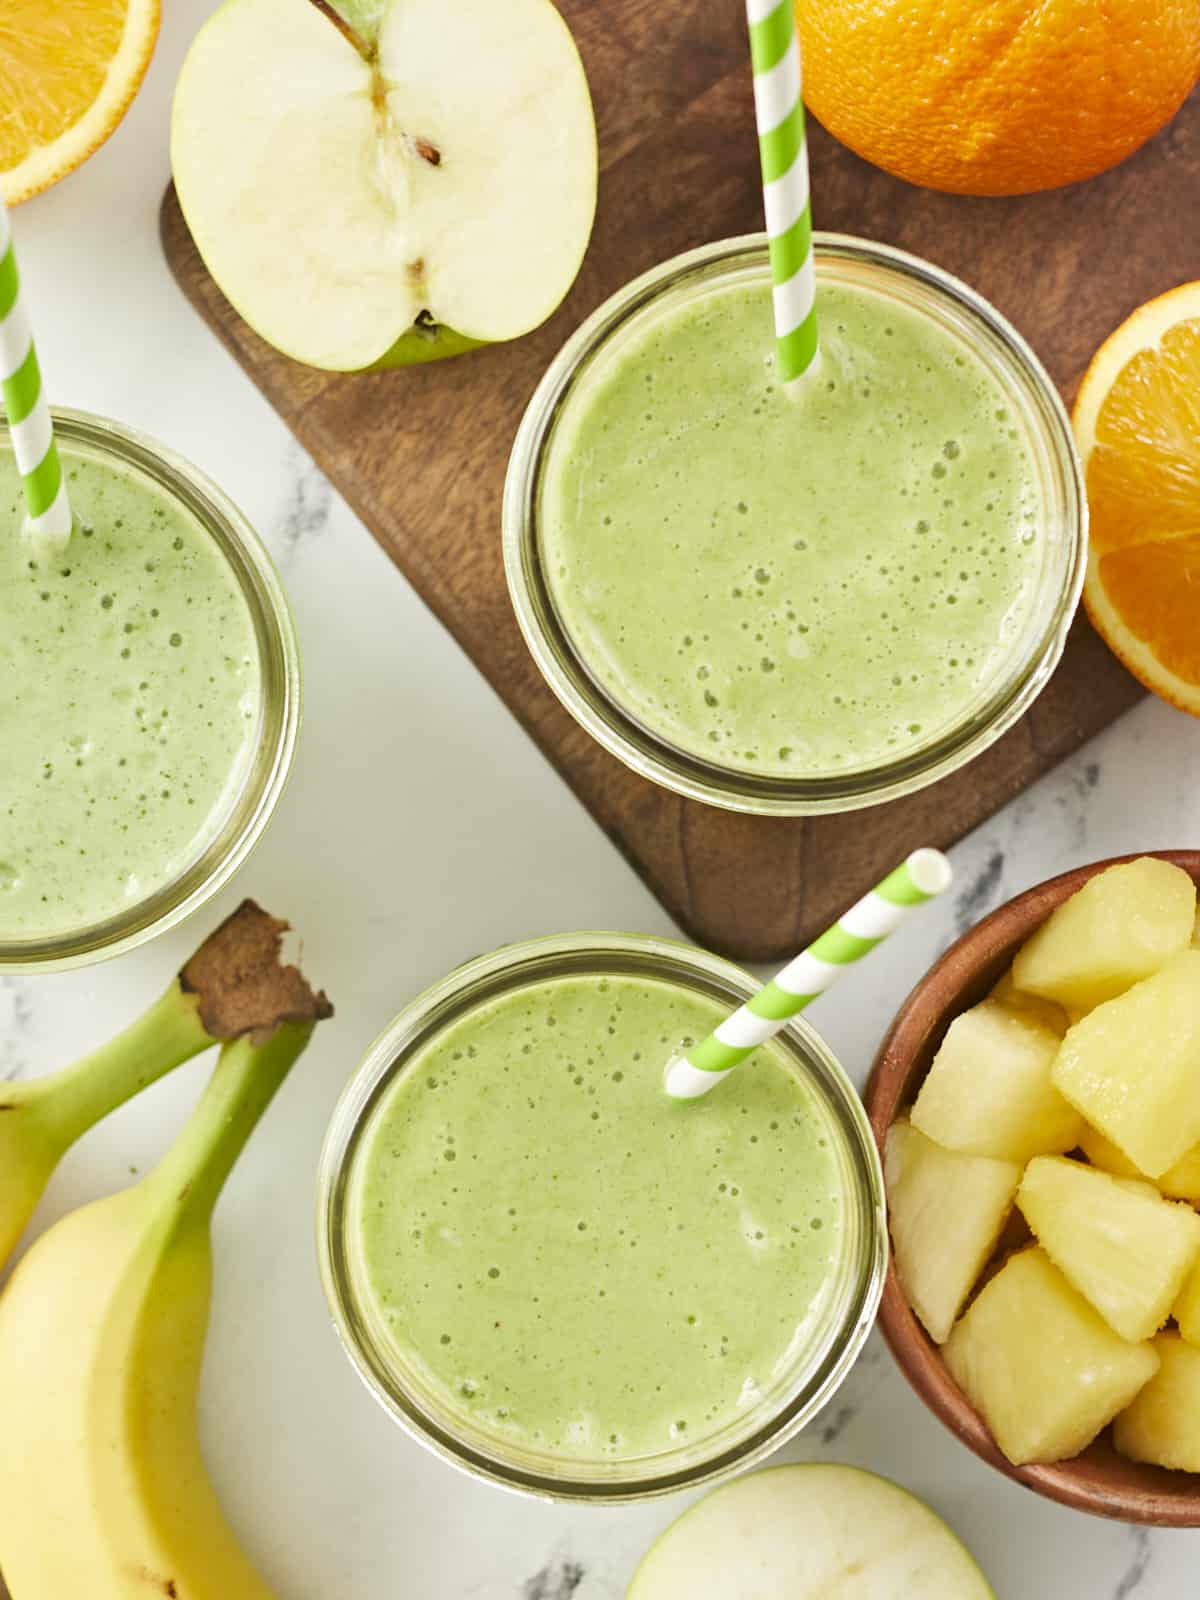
(808,1531)
(389,181)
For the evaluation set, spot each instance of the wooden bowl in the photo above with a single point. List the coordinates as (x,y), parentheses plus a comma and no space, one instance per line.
(1099,1480)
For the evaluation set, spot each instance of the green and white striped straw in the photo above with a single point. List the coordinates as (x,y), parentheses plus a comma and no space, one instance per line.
(783,152)
(924,875)
(49,521)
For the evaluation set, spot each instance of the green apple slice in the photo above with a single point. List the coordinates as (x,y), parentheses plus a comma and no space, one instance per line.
(392,201)
(809,1530)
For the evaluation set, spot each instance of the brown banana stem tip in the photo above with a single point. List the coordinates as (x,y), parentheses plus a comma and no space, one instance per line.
(242,984)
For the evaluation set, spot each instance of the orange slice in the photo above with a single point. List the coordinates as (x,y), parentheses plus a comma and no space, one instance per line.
(68,71)
(1137,423)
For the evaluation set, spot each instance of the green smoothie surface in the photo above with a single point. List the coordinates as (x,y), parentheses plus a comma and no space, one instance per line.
(132,690)
(567,1257)
(800,583)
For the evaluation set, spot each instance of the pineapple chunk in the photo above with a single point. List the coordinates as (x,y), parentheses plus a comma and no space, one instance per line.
(946,1211)
(1043,1369)
(1163,1424)
(989,1090)
(1123,1246)
(1122,926)
(1007,994)
(1132,1066)
(1187,1308)
(1103,1153)
(1180,1182)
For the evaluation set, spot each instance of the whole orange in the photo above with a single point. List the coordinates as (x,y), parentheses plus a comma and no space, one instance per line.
(997,96)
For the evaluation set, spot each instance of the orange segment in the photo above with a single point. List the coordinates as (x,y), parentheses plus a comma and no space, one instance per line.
(1146,458)
(68,71)
(1137,420)
(1155,588)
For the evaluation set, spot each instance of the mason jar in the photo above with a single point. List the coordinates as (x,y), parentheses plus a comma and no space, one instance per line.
(819,1351)
(154,896)
(610,703)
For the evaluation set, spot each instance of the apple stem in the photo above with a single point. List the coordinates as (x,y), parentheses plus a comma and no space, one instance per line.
(365,50)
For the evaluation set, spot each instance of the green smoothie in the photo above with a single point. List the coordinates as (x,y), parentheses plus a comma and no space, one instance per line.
(132,690)
(794,584)
(570,1259)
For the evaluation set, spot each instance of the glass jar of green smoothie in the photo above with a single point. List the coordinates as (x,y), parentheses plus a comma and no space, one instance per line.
(152,700)
(803,599)
(560,1279)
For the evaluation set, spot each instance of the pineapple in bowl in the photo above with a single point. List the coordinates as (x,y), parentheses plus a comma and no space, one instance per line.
(1037,1104)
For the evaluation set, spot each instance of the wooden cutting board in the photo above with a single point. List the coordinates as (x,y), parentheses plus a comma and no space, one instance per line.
(420,454)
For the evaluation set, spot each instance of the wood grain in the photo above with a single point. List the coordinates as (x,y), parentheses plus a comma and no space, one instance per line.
(420,454)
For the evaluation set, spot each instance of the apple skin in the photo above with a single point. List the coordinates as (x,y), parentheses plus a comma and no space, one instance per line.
(419,345)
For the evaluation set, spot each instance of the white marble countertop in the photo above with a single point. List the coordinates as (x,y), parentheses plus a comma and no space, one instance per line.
(422,826)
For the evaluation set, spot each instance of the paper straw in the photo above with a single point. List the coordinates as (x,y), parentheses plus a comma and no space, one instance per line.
(925,874)
(49,521)
(783,152)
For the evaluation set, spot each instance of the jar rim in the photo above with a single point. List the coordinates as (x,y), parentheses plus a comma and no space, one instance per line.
(819,1370)
(270,761)
(1005,354)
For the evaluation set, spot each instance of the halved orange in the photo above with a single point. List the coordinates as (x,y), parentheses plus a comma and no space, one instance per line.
(68,71)
(1137,423)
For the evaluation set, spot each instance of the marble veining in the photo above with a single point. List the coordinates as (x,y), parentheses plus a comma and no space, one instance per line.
(1072,800)
(307,507)
(853,1401)
(835,1421)
(1130,1581)
(559,1581)
(981,895)
(16,1021)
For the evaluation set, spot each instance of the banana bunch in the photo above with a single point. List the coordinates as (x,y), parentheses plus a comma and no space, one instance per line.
(103,1490)
(41,1118)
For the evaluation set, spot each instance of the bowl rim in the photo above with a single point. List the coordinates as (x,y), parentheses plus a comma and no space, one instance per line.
(975,962)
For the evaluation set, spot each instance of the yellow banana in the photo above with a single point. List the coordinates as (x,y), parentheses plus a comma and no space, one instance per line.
(234,984)
(103,1491)
(41,1118)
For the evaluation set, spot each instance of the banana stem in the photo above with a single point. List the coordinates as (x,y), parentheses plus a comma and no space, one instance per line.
(192,1174)
(169,1033)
